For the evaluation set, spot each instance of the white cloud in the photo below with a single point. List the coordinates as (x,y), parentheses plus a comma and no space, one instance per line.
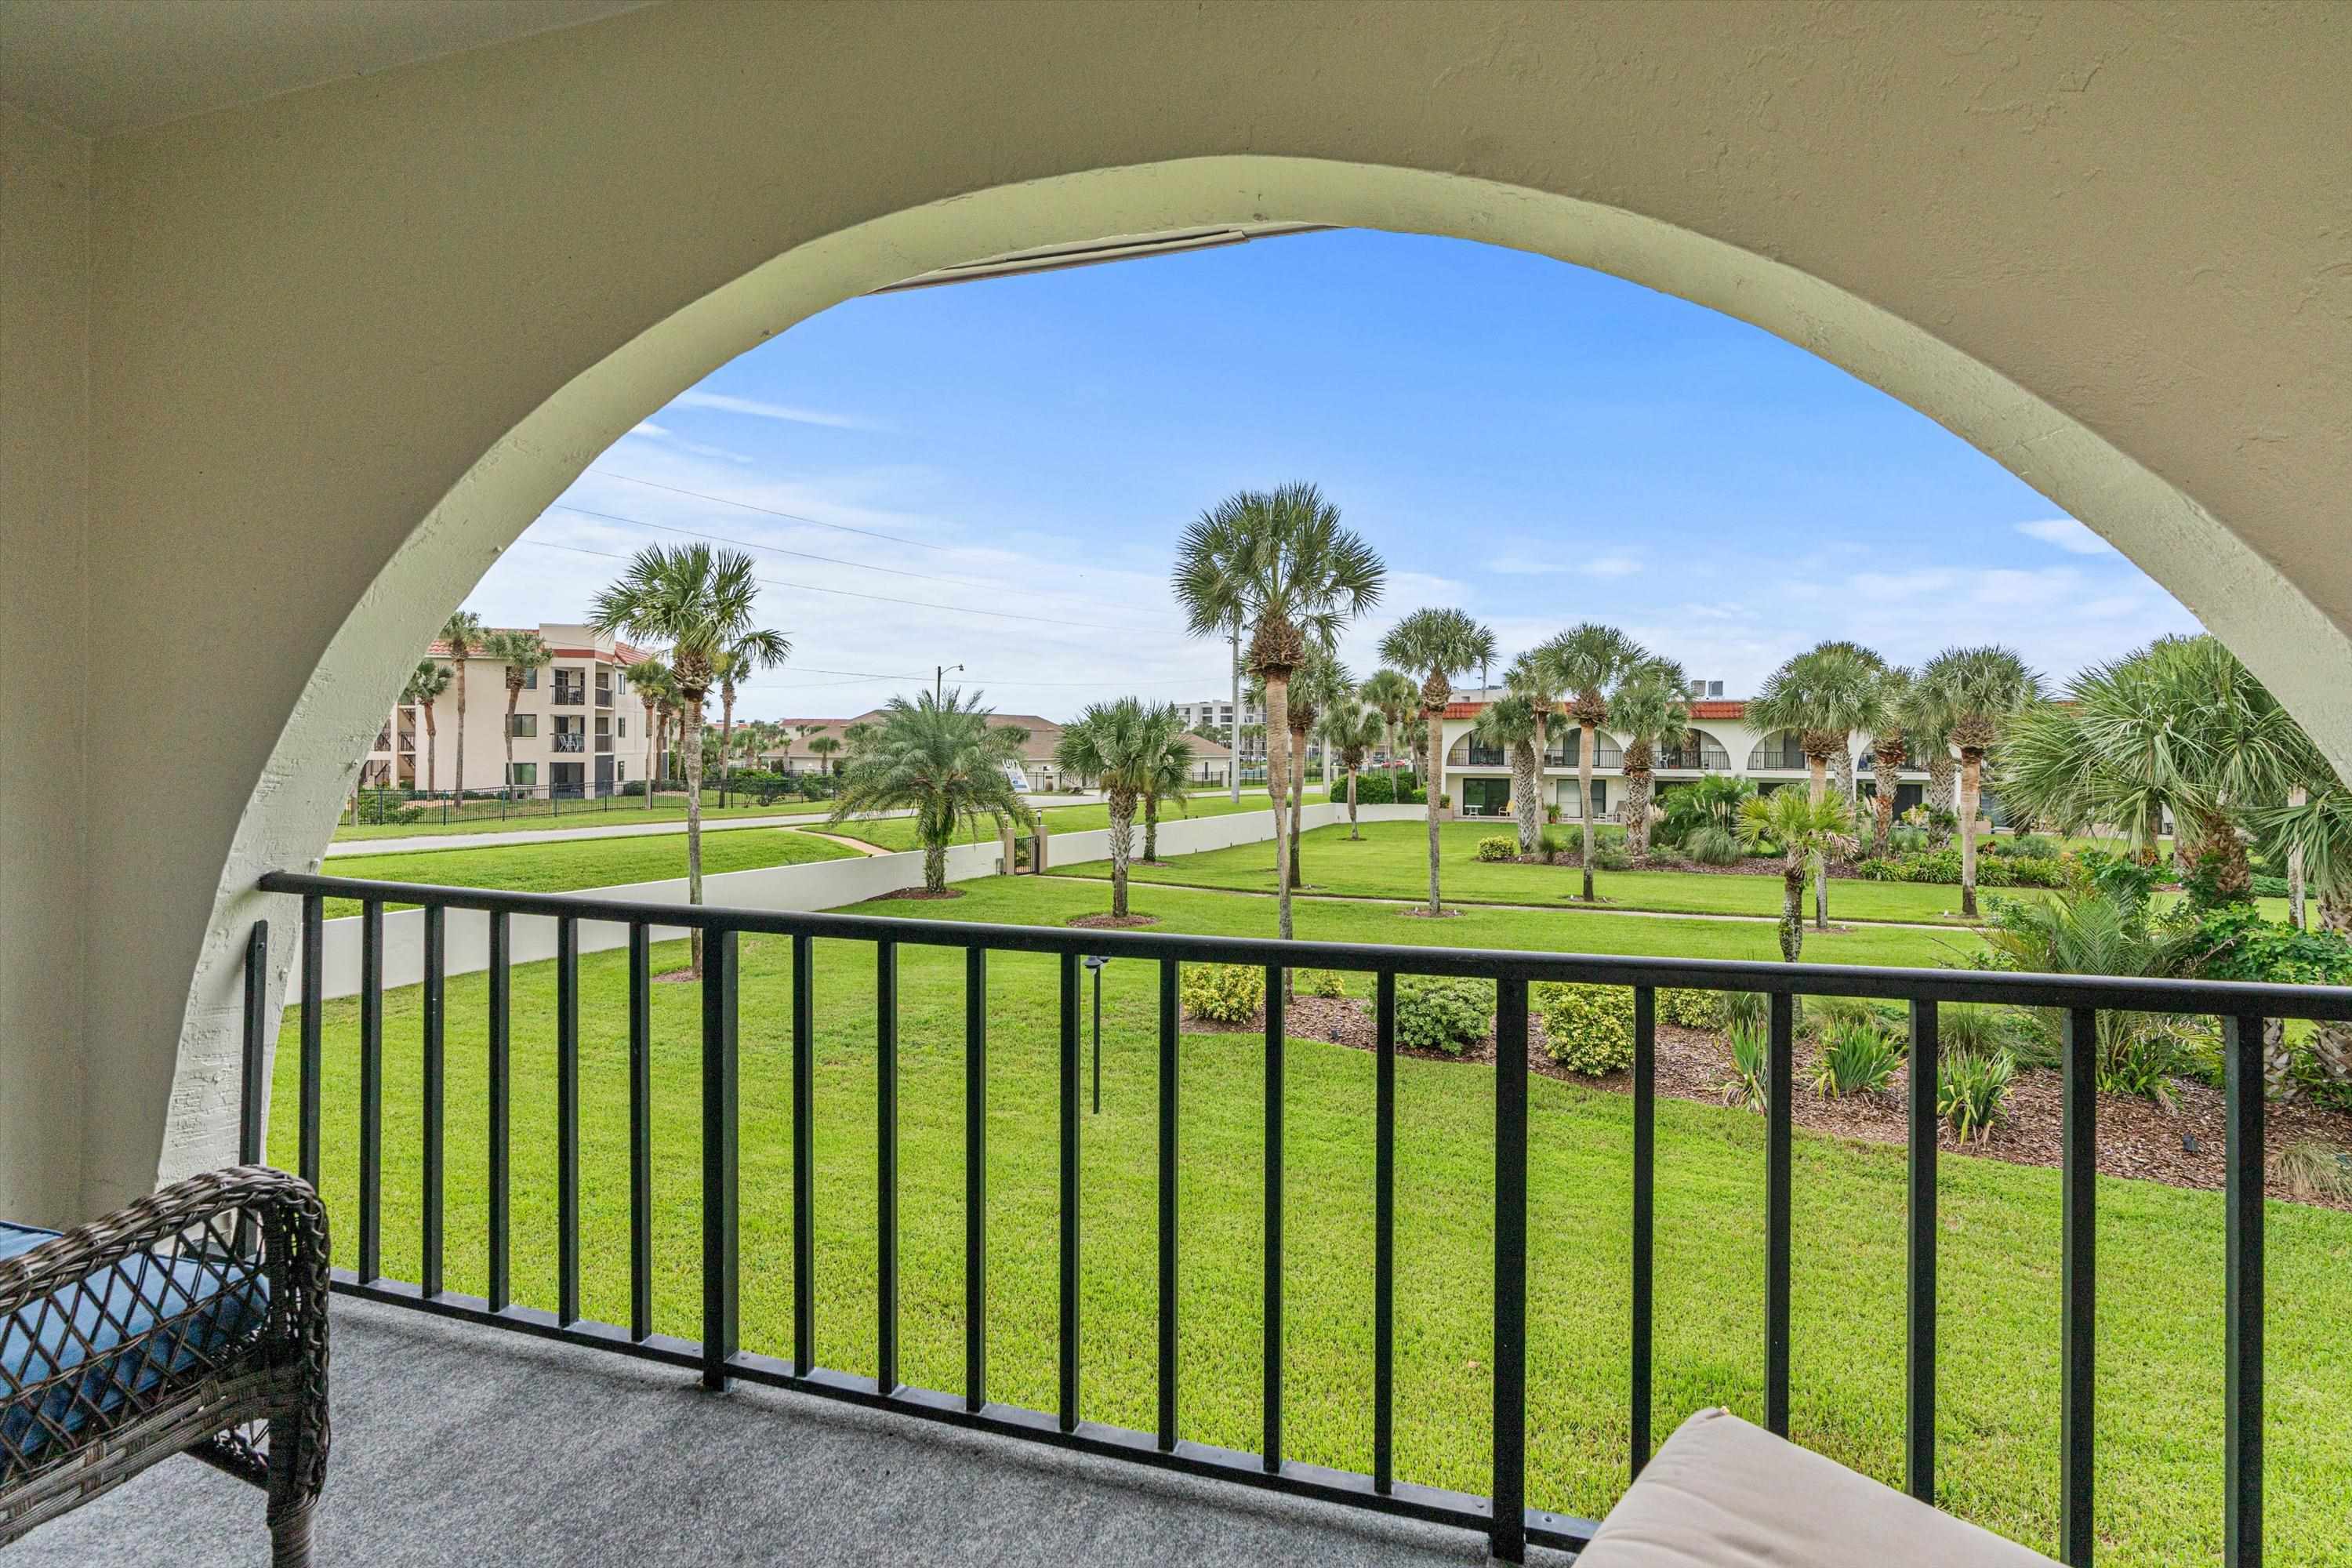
(762,410)
(1611,566)
(1558,566)
(2068,535)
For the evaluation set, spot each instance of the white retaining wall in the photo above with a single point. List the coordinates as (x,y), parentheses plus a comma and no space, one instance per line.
(812,885)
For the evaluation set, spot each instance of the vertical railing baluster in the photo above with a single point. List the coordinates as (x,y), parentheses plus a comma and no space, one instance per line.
(975,1177)
(885,1167)
(371,1090)
(1645,1102)
(1272,1441)
(1508,1537)
(1168,1039)
(1919,1341)
(720,1237)
(2078,1286)
(501,1087)
(567,1119)
(804,1155)
(254,1065)
(641,1137)
(314,1059)
(434,1003)
(1780,1094)
(1066,1409)
(2241,1535)
(1384,1232)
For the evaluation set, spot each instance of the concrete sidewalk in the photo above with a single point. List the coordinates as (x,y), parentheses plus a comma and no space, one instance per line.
(629,830)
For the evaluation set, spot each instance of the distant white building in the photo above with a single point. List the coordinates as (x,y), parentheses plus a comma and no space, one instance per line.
(1217,713)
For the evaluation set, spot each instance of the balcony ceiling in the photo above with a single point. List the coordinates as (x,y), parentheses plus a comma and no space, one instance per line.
(102,66)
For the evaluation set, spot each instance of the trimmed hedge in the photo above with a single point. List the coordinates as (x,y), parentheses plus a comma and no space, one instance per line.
(1381,786)
(1587,1028)
(1498,847)
(1944,865)
(1438,1013)
(1223,992)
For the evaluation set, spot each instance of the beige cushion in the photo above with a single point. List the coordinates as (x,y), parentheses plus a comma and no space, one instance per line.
(1723,1494)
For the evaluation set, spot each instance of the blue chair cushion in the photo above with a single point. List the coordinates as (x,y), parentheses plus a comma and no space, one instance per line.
(206,1311)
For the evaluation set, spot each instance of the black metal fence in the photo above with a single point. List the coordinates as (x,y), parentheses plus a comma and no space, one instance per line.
(1504,1517)
(388,807)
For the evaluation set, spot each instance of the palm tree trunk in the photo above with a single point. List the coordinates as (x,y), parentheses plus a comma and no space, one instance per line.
(1298,802)
(1151,829)
(726,736)
(1971,772)
(653,751)
(935,867)
(1585,734)
(1939,790)
(461,733)
(1233,772)
(1819,768)
(2295,796)
(1429,795)
(1123,828)
(1638,786)
(1889,781)
(1277,733)
(1792,910)
(690,721)
(432,753)
(1351,805)
(1523,791)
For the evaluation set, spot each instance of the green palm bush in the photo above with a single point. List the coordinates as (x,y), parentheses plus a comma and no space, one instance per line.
(1972,1093)
(1750,1081)
(1856,1058)
(939,758)
(1222,993)
(1437,1013)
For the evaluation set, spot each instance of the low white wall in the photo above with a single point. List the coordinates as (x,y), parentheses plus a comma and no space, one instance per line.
(811,885)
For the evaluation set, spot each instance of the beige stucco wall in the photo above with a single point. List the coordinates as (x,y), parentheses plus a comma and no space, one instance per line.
(43,625)
(346,343)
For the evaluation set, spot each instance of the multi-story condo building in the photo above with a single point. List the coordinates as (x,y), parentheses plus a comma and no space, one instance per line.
(1217,713)
(1720,741)
(577,728)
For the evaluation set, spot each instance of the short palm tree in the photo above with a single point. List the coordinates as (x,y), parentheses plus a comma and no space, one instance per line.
(1588,661)
(1890,745)
(1438,643)
(1806,830)
(1350,730)
(1512,724)
(462,636)
(1121,743)
(1824,694)
(700,602)
(939,758)
(1650,708)
(1928,728)
(1315,687)
(1280,563)
(522,652)
(1166,778)
(425,684)
(1703,817)
(758,649)
(1392,695)
(824,748)
(649,679)
(1982,688)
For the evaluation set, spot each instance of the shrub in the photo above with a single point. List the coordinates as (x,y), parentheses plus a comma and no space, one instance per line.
(1750,1082)
(1587,1028)
(2034,845)
(1438,1013)
(1856,1058)
(1737,1010)
(1498,847)
(2006,870)
(1971,1029)
(1827,1015)
(1612,857)
(2311,1169)
(1552,811)
(1223,992)
(1320,983)
(1687,1009)
(1907,840)
(2269,887)
(1552,844)
(1972,1093)
(1383,786)
(377,809)
(1711,844)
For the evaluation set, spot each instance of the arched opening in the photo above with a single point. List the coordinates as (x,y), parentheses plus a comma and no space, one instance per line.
(1776,753)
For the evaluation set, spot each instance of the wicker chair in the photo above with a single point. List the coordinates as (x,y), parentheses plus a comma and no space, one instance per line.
(193,1322)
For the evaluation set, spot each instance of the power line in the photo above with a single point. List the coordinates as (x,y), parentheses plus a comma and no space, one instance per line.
(749,544)
(771,511)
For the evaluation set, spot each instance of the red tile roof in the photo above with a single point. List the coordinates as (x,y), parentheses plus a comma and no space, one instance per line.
(1709,708)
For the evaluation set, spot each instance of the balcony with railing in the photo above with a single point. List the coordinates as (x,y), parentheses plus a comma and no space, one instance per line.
(570,740)
(1029,1334)
(1778,752)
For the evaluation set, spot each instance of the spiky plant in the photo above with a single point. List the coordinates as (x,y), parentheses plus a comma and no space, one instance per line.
(1438,643)
(1982,688)
(1587,660)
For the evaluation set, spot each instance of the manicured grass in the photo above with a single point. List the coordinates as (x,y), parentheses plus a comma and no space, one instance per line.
(588,863)
(484,815)
(898,832)
(2160,1325)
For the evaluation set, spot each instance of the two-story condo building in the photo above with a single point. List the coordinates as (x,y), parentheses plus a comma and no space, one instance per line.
(578,729)
(1478,776)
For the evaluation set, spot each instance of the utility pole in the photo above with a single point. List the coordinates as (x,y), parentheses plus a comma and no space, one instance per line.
(939,681)
(1233,767)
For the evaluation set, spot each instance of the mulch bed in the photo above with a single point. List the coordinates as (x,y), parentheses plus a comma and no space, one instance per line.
(1662,860)
(922,893)
(1111,922)
(2137,1137)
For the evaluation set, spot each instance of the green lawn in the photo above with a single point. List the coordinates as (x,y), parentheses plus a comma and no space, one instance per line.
(558,868)
(898,832)
(2160,1496)
(484,815)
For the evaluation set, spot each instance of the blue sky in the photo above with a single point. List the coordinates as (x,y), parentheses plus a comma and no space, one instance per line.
(1532,442)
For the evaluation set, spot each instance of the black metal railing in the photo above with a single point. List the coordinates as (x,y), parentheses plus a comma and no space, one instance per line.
(1504,1517)
(1788,758)
(570,740)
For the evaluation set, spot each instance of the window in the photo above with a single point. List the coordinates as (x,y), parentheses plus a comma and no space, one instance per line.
(623,730)
(523,726)
(530,679)
(525,775)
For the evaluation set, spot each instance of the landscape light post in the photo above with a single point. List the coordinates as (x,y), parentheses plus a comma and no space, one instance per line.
(1099,963)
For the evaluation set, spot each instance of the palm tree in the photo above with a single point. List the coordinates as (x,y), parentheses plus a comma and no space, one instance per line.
(1928,728)
(1650,707)
(700,602)
(1587,660)
(425,684)
(461,635)
(1171,771)
(939,758)
(1982,688)
(1120,743)
(1824,694)
(520,652)
(1392,695)
(1511,723)
(1703,817)
(823,747)
(754,650)
(1485,645)
(1890,744)
(1349,729)
(1806,829)
(1280,562)
(1439,642)
(649,679)
(1316,686)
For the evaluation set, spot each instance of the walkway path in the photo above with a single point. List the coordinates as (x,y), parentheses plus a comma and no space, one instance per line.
(857,844)
(633,830)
